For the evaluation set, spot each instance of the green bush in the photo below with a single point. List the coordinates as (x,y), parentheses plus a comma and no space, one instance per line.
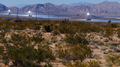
(44,52)
(118,32)
(112,59)
(84,64)
(108,32)
(37,38)
(2,34)
(80,64)
(3,40)
(76,39)
(37,27)
(74,52)
(26,55)
(55,32)
(93,64)
(1,50)
(17,37)
(113,25)
(79,26)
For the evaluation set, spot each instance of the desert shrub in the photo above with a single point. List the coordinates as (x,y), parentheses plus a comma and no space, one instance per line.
(2,34)
(25,52)
(9,40)
(45,21)
(109,64)
(17,37)
(90,28)
(37,38)
(84,64)
(54,40)
(76,39)
(118,32)
(37,27)
(108,32)
(66,28)
(26,55)
(24,39)
(79,26)
(20,40)
(19,27)
(113,25)
(80,64)
(73,52)
(55,32)
(63,54)
(1,50)
(118,64)
(44,52)
(5,27)
(25,63)
(93,64)
(48,65)
(113,59)
(3,40)
(69,64)
(80,52)
(48,28)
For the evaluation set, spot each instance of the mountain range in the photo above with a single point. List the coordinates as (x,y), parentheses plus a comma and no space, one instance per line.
(3,8)
(103,8)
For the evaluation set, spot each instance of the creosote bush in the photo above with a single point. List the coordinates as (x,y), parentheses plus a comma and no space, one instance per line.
(118,32)
(55,32)
(79,26)
(73,52)
(23,54)
(82,64)
(113,25)
(37,38)
(1,50)
(113,59)
(76,39)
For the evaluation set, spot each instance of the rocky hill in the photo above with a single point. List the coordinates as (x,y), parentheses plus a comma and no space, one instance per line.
(46,8)
(111,7)
(3,8)
(13,8)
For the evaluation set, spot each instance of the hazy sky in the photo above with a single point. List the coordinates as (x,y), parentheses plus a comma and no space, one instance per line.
(57,2)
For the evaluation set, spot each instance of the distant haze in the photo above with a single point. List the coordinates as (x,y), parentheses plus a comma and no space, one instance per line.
(79,3)
(73,4)
(19,5)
